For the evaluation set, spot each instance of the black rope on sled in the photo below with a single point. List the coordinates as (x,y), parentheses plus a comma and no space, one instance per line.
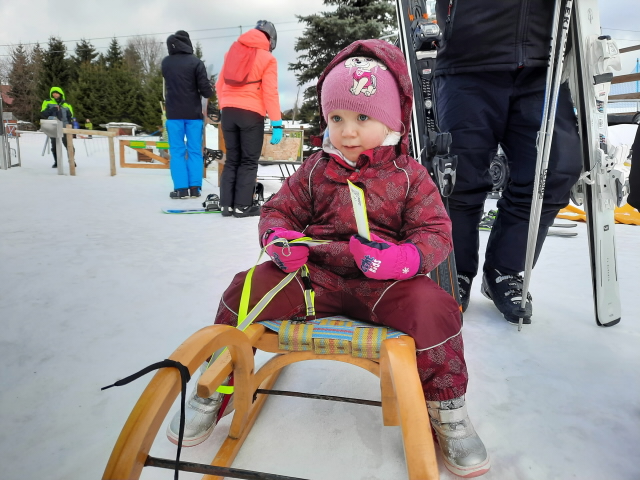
(185,376)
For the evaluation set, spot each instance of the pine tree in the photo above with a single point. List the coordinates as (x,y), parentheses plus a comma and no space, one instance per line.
(198,50)
(114,57)
(36,62)
(20,81)
(85,53)
(132,60)
(329,32)
(152,120)
(55,68)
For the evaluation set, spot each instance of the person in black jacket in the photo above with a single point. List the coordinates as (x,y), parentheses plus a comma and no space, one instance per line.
(489,88)
(186,83)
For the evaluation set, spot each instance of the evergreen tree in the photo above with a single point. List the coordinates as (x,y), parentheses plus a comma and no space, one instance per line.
(56,70)
(132,61)
(152,120)
(114,57)
(85,53)
(329,32)
(36,62)
(198,50)
(21,85)
(91,94)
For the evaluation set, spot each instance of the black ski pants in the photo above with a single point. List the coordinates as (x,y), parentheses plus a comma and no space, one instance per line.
(634,177)
(481,110)
(243,132)
(54,148)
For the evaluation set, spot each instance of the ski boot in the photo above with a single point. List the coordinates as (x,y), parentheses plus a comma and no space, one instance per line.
(464,287)
(194,192)
(246,211)
(201,416)
(464,453)
(180,193)
(506,293)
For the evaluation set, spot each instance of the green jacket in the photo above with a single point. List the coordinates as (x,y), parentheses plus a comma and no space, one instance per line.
(50,107)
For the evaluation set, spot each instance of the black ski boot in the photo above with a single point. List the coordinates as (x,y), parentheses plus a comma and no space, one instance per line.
(248,211)
(55,165)
(194,192)
(506,293)
(464,287)
(180,193)
(226,211)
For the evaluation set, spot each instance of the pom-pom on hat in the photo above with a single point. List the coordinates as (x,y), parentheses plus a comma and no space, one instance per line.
(363,85)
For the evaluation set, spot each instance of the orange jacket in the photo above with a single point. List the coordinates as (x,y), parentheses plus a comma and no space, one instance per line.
(261,97)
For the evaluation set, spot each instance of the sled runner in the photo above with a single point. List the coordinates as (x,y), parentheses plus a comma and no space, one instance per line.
(384,352)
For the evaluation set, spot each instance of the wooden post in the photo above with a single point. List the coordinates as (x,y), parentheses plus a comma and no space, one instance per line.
(71,153)
(112,157)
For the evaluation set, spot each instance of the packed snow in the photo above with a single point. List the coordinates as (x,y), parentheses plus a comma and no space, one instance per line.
(97,283)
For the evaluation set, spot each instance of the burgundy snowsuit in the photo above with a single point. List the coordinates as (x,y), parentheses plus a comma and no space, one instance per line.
(403,205)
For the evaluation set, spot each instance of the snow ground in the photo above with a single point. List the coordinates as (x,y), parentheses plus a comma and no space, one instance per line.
(97,283)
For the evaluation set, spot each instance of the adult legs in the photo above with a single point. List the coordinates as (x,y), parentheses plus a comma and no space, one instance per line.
(177,150)
(473,108)
(506,250)
(194,162)
(634,177)
(243,132)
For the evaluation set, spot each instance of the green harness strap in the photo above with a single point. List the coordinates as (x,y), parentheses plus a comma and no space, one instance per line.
(246,318)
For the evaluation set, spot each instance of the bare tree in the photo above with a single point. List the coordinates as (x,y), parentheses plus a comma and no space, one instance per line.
(5,69)
(149,51)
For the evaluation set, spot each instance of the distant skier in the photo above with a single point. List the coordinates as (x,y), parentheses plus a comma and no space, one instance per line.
(186,83)
(57,107)
(382,280)
(490,86)
(247,88)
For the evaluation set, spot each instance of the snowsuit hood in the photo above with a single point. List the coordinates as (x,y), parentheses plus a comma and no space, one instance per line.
(393,58)
(59,90)
(179,42)
(254,38)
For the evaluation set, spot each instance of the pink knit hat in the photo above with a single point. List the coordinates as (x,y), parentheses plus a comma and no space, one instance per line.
(363,85)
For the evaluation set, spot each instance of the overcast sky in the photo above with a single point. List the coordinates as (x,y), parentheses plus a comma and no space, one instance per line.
(216,24)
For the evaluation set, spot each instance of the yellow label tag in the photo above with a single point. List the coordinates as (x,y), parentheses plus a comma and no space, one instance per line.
(359,210)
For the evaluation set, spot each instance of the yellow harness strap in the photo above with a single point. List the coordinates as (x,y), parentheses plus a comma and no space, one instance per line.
(246,318)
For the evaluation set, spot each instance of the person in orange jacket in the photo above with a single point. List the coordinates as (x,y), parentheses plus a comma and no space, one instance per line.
(247,89)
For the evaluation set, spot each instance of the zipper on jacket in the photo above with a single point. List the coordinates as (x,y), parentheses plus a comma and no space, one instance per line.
(449,22)
(520,34)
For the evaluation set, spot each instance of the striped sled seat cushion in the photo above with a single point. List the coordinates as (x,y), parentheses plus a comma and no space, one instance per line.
(332,335)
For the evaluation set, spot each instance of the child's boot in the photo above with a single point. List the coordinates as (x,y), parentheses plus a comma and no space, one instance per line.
(463,451)
(201,415)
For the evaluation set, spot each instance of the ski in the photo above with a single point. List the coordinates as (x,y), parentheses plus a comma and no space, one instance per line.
(188,210)
(416,38)
(603,184)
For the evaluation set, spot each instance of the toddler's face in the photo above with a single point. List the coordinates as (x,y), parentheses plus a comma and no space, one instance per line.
(352,133)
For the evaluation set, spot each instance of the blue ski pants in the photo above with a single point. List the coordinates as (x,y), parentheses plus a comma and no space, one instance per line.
(185,147)
(481,110)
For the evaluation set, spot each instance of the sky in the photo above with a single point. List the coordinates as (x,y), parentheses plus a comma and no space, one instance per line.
(216,24)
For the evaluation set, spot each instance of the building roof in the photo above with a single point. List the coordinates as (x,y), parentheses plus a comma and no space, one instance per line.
(4,92)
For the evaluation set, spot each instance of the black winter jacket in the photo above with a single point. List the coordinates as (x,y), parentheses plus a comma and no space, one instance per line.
(493,35)
(185,79)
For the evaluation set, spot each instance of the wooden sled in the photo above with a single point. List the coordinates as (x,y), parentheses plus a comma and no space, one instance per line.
(402,399)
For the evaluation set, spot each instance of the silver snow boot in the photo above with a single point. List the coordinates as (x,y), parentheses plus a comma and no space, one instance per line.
(201,415)
(463,451)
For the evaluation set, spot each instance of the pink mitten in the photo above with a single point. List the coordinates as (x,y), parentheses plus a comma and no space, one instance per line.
(384,261)
(289,258)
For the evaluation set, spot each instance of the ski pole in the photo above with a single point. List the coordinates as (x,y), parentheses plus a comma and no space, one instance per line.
(545,136)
